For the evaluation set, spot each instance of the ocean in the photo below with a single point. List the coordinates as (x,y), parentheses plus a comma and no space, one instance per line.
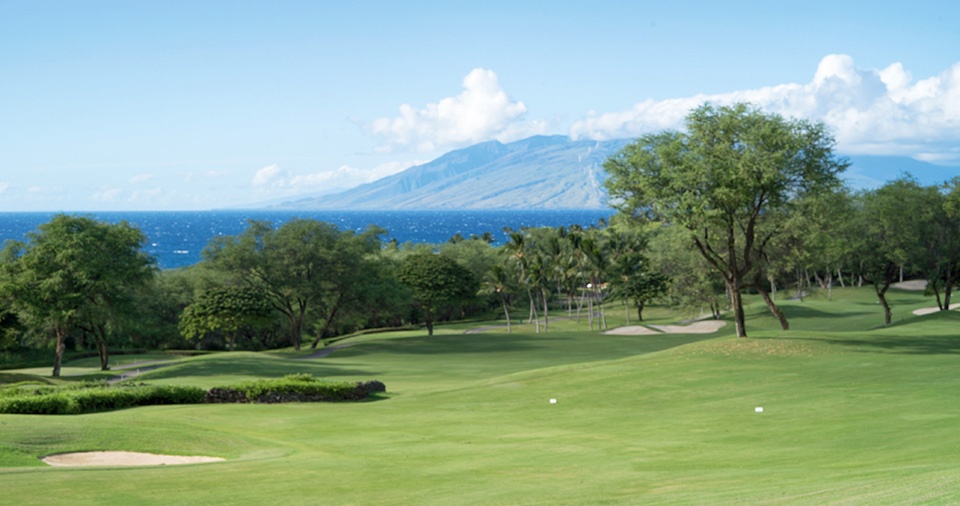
(176,238)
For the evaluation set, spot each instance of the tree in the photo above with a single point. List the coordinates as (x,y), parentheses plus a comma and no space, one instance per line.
(225,311)
(894,221)
(633,277)
(496,281)
(720,180)
(438,283)
(76,271)
(303,267)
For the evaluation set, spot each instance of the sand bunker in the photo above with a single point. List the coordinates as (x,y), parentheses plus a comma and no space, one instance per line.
(931,310)
(122,459)
(916,285)
(632,330)
(702,327)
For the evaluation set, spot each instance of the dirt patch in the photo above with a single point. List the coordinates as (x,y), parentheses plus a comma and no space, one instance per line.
(931,310)
(122,459)
(700,327)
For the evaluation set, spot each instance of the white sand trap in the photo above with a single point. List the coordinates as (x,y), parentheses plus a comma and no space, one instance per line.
(122,459)
(632,330)
(916,285)
(702,327)
(931,310)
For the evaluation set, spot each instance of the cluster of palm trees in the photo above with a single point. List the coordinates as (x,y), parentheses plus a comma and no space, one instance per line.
(579,266)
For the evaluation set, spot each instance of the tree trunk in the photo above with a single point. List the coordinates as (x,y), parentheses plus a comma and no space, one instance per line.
(829,286)
(61,346)
(640,310)
(948,288)
(736,302)
(326,324)
(773,288)
(934,284)
(533,307)
(881,294)
(840,277)
(590,309)
(770,304)
(100,340)
(506,312)
(820,281)
(546,311)
(429,323)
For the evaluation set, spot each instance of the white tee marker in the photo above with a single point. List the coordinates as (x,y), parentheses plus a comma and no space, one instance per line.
(553,401)
(758,409)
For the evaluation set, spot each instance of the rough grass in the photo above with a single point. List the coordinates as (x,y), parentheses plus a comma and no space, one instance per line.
(853,414)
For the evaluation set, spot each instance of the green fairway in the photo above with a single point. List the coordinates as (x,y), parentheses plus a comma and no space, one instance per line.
(852,414)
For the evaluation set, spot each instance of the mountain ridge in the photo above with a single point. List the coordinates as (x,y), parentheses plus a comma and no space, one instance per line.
(543,172)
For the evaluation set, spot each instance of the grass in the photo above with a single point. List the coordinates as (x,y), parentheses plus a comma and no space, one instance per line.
(853,414)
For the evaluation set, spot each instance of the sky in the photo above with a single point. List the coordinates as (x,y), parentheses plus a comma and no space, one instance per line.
(203,104)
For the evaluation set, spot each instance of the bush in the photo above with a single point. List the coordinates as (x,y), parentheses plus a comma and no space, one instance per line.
(294,388)
(78,400)
(92,397)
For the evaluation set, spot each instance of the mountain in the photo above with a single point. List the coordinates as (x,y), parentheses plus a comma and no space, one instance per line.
(543,172)
(871,171)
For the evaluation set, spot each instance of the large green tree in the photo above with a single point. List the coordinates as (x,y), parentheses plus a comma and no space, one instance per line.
(225,311)
(721,178)
(304,267)
(76,272)
(895,221)
(438,283)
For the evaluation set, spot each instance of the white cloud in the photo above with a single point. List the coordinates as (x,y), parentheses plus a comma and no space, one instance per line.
(346,176)
(141,178)
(483,111)
(269,176)
(870,111)
(4,186)
(106,194)
(142,195)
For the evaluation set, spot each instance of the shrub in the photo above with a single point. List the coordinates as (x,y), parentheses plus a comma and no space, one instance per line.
(294,388)
(78,400)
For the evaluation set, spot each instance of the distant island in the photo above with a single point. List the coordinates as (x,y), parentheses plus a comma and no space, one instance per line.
(542,172)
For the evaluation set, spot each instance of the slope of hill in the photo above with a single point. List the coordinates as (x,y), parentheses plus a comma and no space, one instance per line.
(872,171)
(543,172)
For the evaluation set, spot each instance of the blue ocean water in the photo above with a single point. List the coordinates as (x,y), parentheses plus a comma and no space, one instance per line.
(176,238)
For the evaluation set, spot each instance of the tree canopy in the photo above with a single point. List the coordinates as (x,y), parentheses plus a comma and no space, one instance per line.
(76,271)
(724,179)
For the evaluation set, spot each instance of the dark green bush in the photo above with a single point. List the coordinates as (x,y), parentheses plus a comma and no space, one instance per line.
(292,388)
(73,400)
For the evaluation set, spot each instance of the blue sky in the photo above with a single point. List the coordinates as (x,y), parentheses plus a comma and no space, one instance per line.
(143,105)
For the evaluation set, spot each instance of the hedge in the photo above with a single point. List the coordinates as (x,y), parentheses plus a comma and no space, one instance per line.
(95,397)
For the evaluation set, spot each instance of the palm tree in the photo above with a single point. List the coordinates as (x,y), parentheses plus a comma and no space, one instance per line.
(496,281)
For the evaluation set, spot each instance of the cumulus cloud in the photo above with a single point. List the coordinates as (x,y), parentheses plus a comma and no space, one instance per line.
(347,176)
(273,177)
(481,112)
(4,186)
(269,176)
(871,111)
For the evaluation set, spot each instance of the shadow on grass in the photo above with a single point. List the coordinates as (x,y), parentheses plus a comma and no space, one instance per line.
(935,334)
(918,345)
